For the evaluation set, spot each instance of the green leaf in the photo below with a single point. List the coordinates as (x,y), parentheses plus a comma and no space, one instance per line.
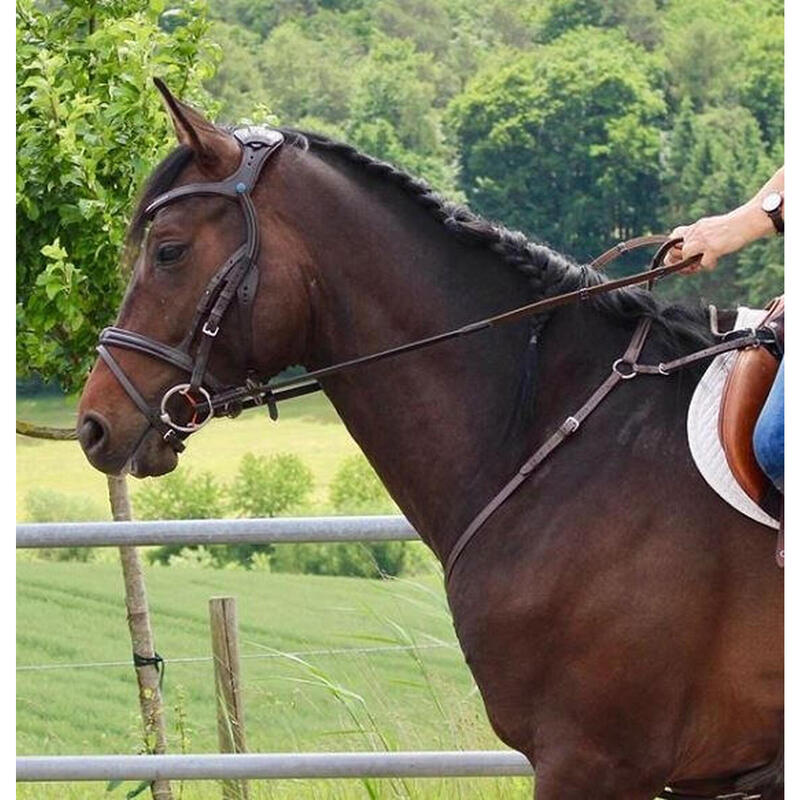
(142,787)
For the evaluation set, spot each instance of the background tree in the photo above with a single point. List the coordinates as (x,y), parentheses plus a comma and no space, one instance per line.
(89,130)
(564,141)
(715,161)
(577,121)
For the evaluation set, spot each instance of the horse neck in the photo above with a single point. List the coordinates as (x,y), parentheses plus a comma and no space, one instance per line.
(442,426)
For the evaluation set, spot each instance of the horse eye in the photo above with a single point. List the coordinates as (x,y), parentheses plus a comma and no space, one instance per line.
(169,253)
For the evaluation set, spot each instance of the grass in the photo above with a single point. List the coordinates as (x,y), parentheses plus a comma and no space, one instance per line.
(73,613)
(308,427)
(422,698)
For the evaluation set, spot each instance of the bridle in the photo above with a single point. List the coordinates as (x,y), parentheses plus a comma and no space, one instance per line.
(205,396)
(237,276)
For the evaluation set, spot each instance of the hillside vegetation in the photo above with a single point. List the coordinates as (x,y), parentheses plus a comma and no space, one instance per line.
(577,121)
(580,122)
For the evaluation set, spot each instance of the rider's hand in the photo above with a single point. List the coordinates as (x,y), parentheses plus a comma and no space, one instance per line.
(715,237)
(712,236)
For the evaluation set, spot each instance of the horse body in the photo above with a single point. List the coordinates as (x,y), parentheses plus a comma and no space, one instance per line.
(622,623)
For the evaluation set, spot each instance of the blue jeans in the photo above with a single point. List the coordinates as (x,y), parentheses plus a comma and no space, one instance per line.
(768,433)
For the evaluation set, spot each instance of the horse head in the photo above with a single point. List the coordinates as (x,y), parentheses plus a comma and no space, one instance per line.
(216,269)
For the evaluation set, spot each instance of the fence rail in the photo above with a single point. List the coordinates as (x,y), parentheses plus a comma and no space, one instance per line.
(215,531)
(422,764)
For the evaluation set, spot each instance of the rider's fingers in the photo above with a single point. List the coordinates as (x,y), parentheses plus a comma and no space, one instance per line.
(708,262)
(675,253)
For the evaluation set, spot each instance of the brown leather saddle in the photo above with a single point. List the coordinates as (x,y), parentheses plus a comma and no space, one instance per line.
(743,396)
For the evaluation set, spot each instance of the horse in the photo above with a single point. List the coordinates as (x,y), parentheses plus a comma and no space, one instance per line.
(623,623)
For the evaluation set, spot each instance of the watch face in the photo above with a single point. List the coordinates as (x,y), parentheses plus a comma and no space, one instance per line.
(772,202)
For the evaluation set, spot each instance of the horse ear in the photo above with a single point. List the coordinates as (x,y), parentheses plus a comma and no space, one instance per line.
(213,147)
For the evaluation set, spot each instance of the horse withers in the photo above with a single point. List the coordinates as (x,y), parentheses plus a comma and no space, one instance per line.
(623,624)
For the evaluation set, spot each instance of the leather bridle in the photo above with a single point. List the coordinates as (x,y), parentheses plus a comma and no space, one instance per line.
(205,395)
(238,276)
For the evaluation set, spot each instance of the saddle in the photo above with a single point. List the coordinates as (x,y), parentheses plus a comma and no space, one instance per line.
(743,396)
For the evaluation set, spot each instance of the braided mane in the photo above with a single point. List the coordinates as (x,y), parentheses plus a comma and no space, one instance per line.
(548,272)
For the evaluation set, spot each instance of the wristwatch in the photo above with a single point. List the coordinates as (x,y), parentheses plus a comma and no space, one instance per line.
(771,205)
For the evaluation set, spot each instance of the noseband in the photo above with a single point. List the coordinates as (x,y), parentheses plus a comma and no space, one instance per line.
(237,276)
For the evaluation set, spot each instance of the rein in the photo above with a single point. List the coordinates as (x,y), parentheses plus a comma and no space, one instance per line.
(256,393)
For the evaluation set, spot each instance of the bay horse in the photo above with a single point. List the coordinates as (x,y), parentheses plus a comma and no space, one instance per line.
(623,624)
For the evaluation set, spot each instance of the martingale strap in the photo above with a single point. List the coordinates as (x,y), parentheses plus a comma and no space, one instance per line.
(623,369)
(569,426)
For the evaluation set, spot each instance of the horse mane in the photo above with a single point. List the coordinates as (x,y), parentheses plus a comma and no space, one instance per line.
(547,271)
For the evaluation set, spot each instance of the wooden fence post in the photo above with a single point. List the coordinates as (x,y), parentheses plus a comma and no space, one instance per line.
(141,633)
(230,711)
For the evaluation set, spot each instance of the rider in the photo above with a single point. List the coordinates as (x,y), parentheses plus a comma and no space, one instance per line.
(715,237)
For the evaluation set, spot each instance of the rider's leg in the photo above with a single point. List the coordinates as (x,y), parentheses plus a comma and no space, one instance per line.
(768,434)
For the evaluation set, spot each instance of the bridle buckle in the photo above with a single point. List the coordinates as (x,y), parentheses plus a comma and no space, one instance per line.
(208,331)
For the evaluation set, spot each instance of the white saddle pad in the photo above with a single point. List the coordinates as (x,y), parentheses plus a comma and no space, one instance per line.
(703,429)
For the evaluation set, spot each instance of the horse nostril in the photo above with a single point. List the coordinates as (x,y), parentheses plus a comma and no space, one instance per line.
(93,432)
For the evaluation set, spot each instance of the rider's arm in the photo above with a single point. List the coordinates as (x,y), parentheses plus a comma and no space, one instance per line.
(727,233)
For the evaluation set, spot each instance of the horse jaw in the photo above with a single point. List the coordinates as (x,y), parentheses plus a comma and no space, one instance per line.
(153,457)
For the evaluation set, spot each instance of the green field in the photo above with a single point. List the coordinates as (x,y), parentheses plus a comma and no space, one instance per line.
(308,427)
(71,613)
(418,698)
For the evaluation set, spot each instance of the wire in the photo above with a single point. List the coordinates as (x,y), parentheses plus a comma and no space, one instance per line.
(197,659)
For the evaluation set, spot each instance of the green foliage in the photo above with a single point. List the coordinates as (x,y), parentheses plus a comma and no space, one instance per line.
(714,160)
(89,130)
(265,487)
(356,489)
(181,495)
(198,557)
(47,505)
(355,559)
(579,121)
(638,18)
(268,486)
(564,141)
(561,112)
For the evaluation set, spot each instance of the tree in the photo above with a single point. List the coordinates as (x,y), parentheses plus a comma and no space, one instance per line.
(714,162)
(306,76)
(266,487)
(564,141)
(638,18)
(90,128)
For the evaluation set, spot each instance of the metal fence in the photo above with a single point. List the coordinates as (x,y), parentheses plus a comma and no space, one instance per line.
(421,764)
(475,763)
